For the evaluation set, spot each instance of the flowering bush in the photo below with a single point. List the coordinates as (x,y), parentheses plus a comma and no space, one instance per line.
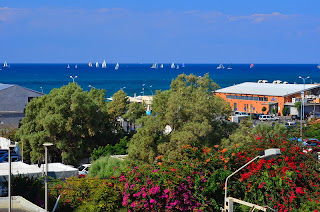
(196,183)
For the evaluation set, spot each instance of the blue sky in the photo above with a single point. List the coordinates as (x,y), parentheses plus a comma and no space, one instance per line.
(147,31)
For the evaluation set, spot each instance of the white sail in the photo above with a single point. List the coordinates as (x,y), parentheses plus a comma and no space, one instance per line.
(172,65)
(116,67)
(177,67)
(318,66)
(97,65)
(220,66)
(68,66)
(182,65)
(155,65)
(5,64)
(90,64)
(104,64)
(161,66)
(76,66)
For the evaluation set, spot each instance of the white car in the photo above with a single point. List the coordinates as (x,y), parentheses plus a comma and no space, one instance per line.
(83,169)
(268,118)
(239,113)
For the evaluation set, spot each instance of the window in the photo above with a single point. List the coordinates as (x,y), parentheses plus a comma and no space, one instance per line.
(253,98)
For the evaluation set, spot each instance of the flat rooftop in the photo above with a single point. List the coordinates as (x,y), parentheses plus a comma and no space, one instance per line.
(267,89)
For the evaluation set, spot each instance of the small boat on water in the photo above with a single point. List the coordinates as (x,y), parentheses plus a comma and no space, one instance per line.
(230,67)
(251,66)
(90,64)
(161,66)
(5,65)
(182,65)
(68,66)
(97,65)
(177,67)
(318,67)
(172,65)
(104,64)
(221,66)
(76,66)
(154,65)
(116,67)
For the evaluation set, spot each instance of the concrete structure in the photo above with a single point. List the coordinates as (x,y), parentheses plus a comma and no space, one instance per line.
(19,204)
(13,100)
(251,97)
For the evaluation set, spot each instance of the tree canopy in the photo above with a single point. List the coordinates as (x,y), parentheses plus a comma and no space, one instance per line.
(75,121)
(192,114)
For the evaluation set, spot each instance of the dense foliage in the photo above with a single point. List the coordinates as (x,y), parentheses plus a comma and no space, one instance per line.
(290,182)
(73,120)
(117,149)
(105,166)
(192,114)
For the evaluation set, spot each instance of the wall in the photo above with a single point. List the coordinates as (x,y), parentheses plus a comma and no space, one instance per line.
(15,98)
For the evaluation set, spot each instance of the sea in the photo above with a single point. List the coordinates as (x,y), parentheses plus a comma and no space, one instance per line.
(140,79)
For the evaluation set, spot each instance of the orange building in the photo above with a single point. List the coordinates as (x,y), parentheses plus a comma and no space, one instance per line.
(254,97)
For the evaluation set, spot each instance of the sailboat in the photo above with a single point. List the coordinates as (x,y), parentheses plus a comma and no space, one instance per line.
(318,66)
(177,67)
(76,66)
(161,66)
(172,65)
(116,67)
(230,67)
(5,64)
(104,64)
(97,65)
(154,65)
(90,64)
(221,66)
(251,66)
(182,65)
(68,66)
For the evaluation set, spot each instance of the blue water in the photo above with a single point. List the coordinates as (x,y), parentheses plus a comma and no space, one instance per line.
(133,76)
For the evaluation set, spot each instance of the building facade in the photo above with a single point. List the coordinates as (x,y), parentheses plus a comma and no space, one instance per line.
(270,98)
(13,100)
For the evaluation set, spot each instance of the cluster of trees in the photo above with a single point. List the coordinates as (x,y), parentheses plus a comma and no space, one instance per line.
(78,121)
(75,121)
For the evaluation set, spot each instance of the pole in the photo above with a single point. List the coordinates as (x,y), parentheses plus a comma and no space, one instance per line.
(46,179)
(226,183)
(22,150)
(46,145)
(9,179)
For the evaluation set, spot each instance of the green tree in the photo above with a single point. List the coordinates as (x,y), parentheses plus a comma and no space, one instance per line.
(136,110)
(191,111)
(119,104)
(298,106)
(263,109)
(285,110)
(73,120)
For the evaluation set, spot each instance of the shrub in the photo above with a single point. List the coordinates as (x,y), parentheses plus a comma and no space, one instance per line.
(118,149)
(105,167)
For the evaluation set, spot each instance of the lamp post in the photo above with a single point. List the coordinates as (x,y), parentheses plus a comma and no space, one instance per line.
(143,89)
(9,178)
(266,154)
(46,145)
(41,89)
(302,110)
(73,77)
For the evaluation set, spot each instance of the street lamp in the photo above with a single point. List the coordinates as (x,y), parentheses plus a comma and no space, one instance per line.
(41,89)
(151,89)
(9,179)
(73,78)
(143,89)
(266,154)
(302,111)
(46,145)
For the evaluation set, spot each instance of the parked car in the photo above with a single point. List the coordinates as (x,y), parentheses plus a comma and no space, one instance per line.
(295,117)
(14,157)
(239,113)
(253,115)
(290,124)
(268,118)
(84,170)
(311,142)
